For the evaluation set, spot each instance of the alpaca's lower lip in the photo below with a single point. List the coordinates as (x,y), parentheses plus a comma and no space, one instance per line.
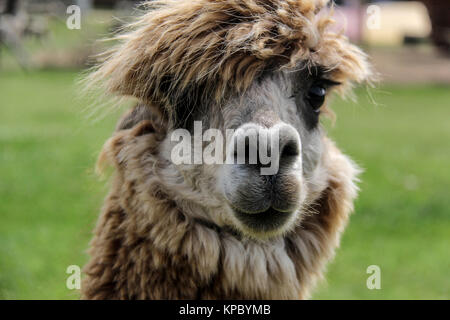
(265,221)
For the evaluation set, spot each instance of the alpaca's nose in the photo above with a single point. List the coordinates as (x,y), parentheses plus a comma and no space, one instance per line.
(263,184)
(267,149)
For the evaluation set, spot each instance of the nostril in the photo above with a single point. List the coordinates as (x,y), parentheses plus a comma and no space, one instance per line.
(264,147)
(290,145)
(290,149)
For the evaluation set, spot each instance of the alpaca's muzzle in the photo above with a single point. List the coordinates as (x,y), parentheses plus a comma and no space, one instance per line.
(263,183)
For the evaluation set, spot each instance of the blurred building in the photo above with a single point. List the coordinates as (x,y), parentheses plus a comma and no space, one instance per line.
(393,23)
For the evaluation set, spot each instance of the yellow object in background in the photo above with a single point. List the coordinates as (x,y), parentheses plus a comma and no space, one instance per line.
(388,23)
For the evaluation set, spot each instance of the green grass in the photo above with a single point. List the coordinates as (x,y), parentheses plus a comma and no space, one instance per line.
(49,194)
(402,219)
(50,198)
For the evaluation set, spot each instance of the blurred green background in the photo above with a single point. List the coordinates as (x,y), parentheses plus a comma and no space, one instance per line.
(50,197)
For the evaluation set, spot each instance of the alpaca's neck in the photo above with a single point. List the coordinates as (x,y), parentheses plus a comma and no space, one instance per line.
(154,251)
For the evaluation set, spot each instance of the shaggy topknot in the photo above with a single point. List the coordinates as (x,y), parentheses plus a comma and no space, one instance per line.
(221,47)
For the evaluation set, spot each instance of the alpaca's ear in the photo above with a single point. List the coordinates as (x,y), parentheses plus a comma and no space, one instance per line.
(133,135)
(141,113)
(133,117)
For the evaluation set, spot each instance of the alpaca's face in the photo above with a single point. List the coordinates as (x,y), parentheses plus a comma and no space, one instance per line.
(180,54)
(264,191)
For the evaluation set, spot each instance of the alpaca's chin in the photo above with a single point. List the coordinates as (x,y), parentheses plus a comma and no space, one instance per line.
(266,224)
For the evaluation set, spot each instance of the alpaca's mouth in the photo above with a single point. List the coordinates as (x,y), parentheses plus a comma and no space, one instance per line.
(265,221)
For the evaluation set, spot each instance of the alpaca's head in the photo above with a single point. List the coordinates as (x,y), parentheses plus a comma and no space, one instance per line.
(258,71)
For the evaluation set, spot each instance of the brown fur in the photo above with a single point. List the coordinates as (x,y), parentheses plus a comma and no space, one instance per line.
(152,241)
(222,46)
(145,247)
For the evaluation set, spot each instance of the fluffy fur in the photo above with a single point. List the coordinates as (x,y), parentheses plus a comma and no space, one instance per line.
(222,46)
(156,237)
(146,247)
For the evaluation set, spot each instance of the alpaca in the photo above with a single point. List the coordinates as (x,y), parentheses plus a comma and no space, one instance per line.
(223,231)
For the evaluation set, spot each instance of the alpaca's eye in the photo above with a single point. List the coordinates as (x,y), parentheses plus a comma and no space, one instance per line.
(316,96)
